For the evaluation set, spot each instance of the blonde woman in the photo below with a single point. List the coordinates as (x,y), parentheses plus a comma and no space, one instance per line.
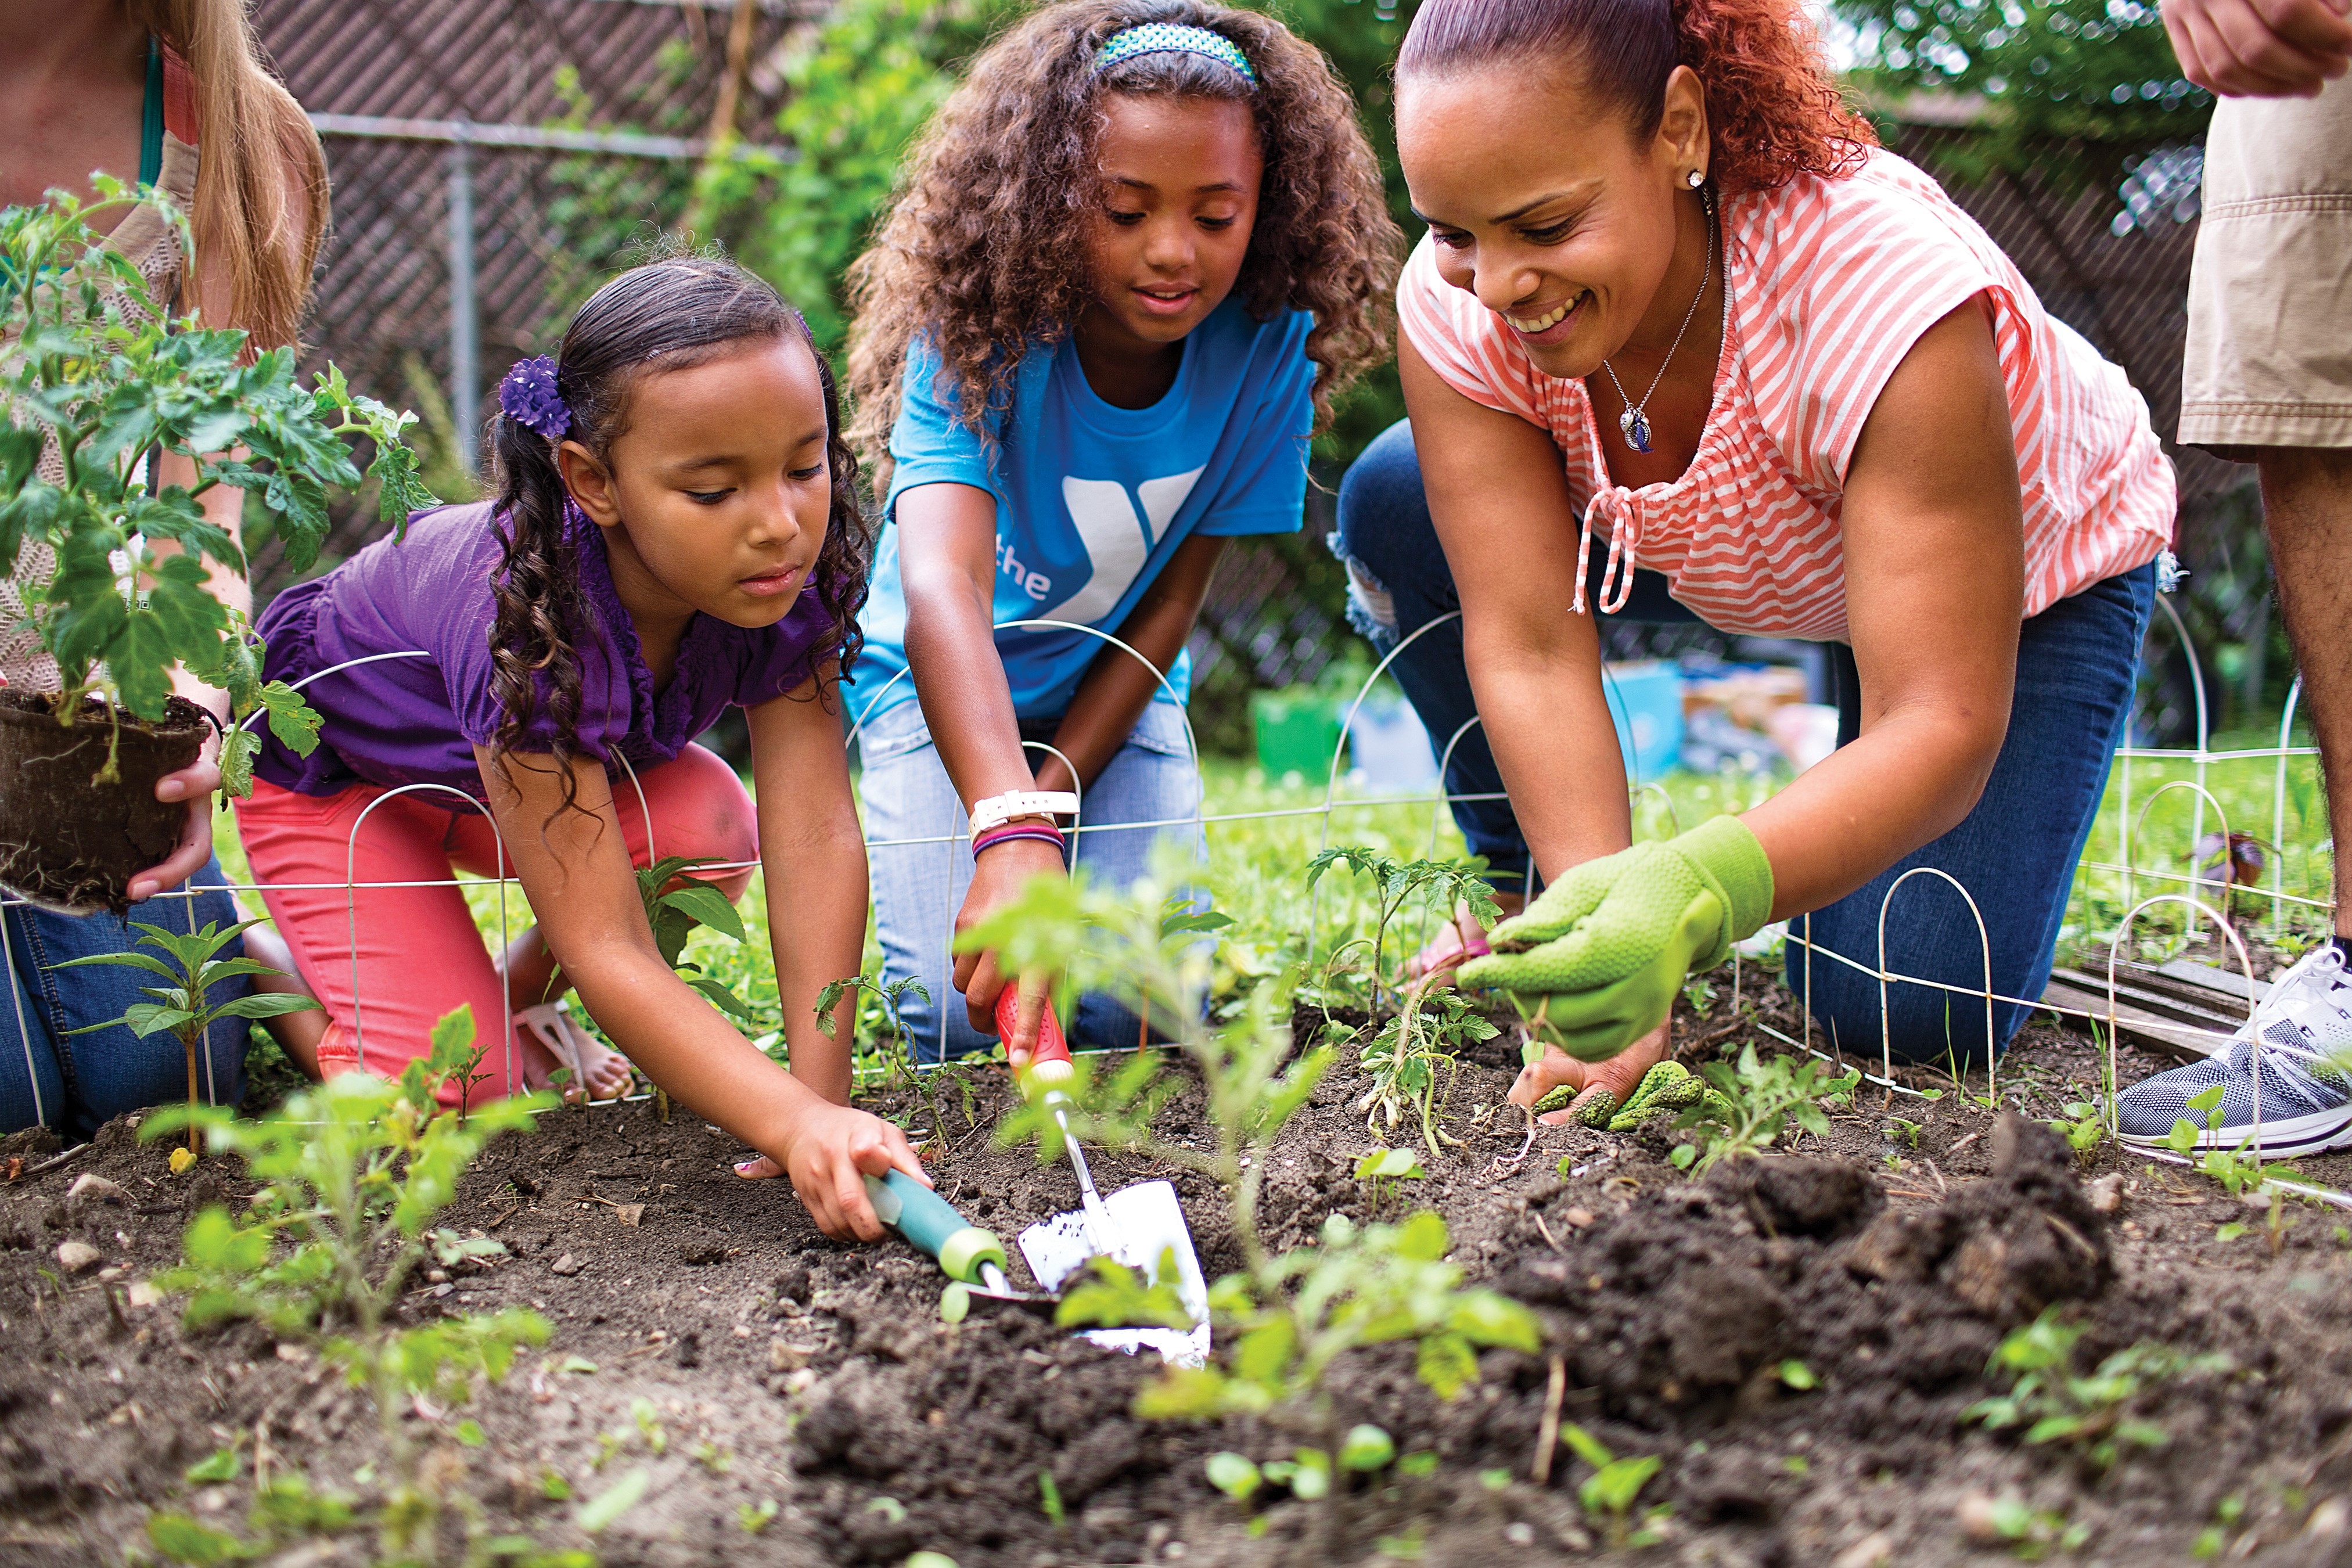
(171,93)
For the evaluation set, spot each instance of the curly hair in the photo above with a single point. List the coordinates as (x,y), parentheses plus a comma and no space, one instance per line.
(1773,111)
(669,314)
(983,252)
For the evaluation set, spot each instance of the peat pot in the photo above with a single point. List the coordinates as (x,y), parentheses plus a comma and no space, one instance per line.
(73,845)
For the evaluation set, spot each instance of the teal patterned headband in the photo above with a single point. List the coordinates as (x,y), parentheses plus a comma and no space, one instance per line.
(1170,39)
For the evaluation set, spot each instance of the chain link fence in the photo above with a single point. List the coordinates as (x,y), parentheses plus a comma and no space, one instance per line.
(492,160)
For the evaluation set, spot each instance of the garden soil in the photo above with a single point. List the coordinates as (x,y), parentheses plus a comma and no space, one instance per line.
(766,1377)
(67,841)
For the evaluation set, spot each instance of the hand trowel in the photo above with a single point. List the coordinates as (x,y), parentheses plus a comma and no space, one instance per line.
(1137,1226)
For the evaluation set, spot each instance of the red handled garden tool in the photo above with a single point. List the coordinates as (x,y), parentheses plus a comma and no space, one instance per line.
(1050,1062)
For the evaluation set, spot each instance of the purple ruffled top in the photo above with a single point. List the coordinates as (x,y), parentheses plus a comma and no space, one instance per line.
(417,720)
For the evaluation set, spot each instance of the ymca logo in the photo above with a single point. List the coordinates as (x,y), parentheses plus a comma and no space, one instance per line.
(1118,541)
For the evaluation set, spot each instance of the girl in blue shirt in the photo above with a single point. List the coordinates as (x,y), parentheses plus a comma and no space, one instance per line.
(1139,251)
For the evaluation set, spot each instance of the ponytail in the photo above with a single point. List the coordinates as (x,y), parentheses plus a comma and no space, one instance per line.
(680,311)
(1773,109)
(537,598)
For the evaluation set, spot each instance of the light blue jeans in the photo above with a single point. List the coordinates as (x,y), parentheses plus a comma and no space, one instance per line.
(75,1083)
(919,886)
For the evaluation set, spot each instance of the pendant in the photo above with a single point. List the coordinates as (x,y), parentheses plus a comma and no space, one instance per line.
(1636,426)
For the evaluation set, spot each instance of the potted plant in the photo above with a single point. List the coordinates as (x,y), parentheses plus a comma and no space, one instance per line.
(97,388)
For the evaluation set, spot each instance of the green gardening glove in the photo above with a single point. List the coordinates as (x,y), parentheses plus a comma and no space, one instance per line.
(1594,963)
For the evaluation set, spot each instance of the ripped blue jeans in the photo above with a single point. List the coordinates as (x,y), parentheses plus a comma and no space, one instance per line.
(2077,664)
(922,865)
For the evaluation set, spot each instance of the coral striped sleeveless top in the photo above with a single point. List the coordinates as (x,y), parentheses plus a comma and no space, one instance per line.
(1830,283)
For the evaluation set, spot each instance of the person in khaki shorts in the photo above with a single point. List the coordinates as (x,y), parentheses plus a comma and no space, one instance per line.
(2267,379)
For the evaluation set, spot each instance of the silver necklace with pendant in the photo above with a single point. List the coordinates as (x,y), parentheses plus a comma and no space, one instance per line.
(1633,424)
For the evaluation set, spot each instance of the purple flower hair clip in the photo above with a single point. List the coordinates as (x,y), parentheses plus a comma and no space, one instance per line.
(528,396)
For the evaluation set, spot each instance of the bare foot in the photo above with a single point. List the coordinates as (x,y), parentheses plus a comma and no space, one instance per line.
(550,1034)
(297,1034)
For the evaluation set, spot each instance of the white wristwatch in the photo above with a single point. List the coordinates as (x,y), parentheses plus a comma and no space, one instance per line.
(999,809)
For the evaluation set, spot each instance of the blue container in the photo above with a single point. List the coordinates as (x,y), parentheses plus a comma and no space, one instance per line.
(1646,701)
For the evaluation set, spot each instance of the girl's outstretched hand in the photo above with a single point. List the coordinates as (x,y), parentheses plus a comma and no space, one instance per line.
(834,1150)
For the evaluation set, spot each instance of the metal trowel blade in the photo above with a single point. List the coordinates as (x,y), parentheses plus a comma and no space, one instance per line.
(1147,1222)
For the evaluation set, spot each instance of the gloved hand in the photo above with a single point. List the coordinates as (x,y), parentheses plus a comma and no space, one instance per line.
(1596,961)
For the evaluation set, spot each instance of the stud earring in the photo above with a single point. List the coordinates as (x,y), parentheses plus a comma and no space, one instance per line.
(1696,178)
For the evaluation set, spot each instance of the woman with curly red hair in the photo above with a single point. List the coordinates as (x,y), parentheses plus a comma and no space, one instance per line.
(1683,342)
(1137,253)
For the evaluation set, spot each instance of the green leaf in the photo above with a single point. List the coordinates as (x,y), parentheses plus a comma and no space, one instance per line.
(1182,1394)
(294,721)
(1366,1449)
(1264,1352)
(724,998)
(600,1512)
(238,749)
(148,962)
(1796,1375)
(1446,1364)
(1587,1447)
(707,905)
(2053,1428)
(220,1465)
(266,1005)
(1389,1165)
(1313,1478)
(1424,1237)
(183,1540)
(1618,1483)
(1233,1474)
(1490,1318)
(146,1018)
(469,1433)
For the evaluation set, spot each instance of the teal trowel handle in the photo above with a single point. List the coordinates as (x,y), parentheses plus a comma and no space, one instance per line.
(924,1218)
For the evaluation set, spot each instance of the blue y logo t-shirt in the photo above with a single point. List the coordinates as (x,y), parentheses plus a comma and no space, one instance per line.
(1092,499)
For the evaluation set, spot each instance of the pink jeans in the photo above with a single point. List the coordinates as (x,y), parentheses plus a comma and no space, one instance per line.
(386,962)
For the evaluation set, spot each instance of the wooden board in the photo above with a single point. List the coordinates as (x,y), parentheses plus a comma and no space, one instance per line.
(2182,1015)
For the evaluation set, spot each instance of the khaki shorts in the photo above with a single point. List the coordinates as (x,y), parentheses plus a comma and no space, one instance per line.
(2269,357)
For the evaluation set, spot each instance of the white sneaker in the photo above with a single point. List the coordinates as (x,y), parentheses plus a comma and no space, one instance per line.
(2303,1032)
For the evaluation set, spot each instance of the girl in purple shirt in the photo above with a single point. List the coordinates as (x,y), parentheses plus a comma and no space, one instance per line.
(676,531)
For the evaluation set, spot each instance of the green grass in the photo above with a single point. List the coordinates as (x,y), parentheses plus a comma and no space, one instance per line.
(1262,833)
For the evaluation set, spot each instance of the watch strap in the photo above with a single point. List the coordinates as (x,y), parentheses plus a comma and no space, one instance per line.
(999,809)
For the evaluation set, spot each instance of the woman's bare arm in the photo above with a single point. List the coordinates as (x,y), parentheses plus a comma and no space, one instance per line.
(1500,503)
(1935,573)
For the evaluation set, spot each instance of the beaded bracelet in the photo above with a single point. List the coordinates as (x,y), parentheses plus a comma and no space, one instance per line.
(1042,835)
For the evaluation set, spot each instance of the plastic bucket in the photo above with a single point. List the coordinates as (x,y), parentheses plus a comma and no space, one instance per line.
(1297,730)
(1645,698)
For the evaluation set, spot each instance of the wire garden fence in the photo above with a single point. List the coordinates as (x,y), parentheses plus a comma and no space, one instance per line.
(2151,877)
(489,160)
